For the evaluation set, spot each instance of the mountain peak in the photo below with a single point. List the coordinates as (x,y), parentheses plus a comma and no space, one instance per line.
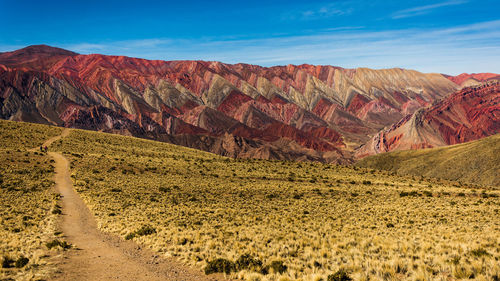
(34,56)
(43,49)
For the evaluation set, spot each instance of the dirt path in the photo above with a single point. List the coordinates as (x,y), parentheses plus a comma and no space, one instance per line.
(50,141)
(101,256)
(63,134)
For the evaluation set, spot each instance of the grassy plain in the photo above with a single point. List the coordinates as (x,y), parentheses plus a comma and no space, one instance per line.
(476,162)
(28,203)
(274,220)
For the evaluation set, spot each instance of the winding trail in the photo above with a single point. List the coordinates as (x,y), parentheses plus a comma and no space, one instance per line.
(101,256)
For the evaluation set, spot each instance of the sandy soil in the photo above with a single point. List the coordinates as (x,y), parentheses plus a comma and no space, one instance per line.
(101,256)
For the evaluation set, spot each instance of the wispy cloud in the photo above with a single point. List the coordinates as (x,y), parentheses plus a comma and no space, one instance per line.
(422,10)
(86,47)
(146,46)
(467,48)
(318,12)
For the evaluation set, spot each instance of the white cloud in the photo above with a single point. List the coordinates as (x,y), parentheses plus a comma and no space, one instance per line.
(319,12)
(422,10)
(86,47)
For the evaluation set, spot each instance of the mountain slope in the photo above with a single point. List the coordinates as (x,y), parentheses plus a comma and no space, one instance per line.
(473,79)
(475,162)
(317,112)
(469,114)
(37,56)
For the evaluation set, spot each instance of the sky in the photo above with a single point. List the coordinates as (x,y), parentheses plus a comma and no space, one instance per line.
(445,36)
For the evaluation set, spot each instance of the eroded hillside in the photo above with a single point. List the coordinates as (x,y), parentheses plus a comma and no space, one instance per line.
(293,112)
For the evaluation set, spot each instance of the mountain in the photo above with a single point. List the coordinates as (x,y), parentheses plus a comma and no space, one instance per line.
(303,112)
(476,162)
(469,114)
(37,56)
(474,79)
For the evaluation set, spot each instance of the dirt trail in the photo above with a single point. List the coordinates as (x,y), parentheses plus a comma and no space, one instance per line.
(101,256)
(50,141)
(63,134)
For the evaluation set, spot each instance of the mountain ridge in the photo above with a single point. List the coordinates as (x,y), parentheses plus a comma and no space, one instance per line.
(311,110)
(466,115)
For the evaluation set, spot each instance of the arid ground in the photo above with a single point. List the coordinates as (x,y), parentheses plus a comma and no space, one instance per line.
(153,211)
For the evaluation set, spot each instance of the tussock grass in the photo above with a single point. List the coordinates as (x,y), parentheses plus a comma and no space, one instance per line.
(266,220)
(28,203)
(476,162)
(295,221)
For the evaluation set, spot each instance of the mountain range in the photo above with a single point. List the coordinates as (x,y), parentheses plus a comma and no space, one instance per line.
(293,112)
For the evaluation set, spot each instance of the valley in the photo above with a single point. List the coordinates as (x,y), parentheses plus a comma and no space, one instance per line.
(250,140)
(277,220)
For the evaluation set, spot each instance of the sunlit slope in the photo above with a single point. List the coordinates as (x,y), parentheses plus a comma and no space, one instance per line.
(273,220)
(28,202)
(475,162)
(281,220)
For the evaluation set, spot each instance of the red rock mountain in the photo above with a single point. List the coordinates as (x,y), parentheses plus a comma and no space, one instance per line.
(474,79)
(295,112)
(469,114)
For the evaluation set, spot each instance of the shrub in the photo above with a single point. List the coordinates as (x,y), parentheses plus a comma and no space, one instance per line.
(367,182)
(7,262)
(219,265)
(164,189)
(183,241)
(278,267)
(455,260)
(486,195)
(411,193)
(427,193)
(246,261)
(56,243)
(271,196)
(21,262)
(340,275)
(479,252)
(145,230)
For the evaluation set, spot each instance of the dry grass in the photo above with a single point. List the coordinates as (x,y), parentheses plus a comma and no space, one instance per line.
(27,202)
(476,162)
(314,218)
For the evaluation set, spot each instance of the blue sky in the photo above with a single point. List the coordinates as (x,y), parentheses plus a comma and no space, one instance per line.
(450,36)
